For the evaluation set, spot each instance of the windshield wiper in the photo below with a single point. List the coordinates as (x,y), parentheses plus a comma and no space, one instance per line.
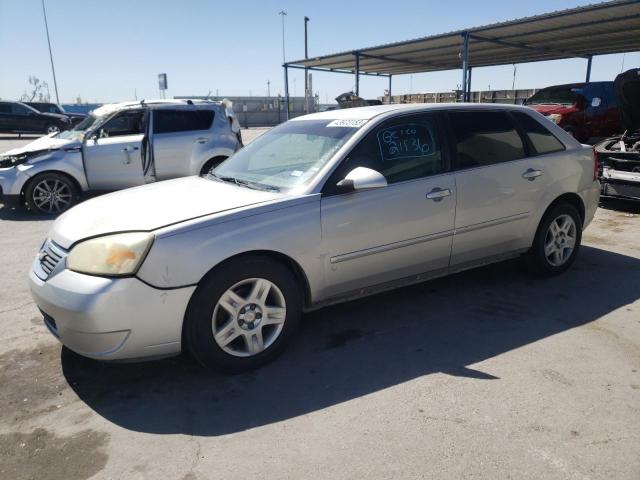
(246,183)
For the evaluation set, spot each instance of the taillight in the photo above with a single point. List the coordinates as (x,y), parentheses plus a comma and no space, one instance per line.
(596,161)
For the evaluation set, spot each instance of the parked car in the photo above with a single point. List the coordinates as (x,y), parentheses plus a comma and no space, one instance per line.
(17,117)
(619,157)
(585,110)
(321,209)
(46,107)
(119,146)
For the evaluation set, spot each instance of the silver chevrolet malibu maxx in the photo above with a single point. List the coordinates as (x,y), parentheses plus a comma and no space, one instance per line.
(322,209)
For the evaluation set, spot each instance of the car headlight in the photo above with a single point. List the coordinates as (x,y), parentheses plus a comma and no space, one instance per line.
(555,118)
(112,255)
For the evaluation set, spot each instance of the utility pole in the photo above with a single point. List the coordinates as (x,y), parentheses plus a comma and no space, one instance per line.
(306,72)
(283,13)
(513,84)
(53,70)
(269,88)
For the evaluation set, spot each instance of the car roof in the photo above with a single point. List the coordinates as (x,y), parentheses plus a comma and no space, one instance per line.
(366,113)
(114,107)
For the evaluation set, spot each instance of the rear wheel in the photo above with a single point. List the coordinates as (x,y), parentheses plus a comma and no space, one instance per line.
(557,240)
(50,193)
(53,129)
(243,314)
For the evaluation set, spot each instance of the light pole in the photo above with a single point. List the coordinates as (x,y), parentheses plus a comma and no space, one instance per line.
(306,72)
(53,70)
(283,13)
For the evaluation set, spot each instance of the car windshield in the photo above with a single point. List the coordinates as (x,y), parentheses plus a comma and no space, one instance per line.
(553,96)
(77,132)
(288,156)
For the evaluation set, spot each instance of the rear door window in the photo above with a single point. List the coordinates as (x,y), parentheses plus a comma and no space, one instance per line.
(485,138)
(168,121)
(541,140)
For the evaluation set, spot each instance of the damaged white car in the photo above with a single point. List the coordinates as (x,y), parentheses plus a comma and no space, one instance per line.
(119,146)
(619,157)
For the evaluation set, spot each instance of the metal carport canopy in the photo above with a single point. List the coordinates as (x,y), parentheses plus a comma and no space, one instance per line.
(609,27)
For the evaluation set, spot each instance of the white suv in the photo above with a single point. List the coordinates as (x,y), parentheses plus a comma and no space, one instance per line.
(119,146)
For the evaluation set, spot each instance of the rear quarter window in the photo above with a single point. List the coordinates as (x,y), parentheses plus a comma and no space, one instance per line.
(167,121)
(541,140)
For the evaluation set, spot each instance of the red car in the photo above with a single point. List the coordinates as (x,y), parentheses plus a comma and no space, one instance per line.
(585,110)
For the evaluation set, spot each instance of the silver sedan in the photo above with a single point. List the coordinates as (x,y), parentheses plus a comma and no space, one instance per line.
(322,209)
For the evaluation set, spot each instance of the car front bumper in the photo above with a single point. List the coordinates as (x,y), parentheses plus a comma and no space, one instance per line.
(11,182)
(110,318)
(620,184)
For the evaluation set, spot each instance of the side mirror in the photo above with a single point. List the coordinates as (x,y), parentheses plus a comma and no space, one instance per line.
(596,101)
(361,178)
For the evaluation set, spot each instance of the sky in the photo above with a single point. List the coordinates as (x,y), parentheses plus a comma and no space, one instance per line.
(113,50)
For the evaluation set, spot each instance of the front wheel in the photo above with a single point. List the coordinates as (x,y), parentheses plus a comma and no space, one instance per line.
(50,193)
(243,314)
(557,240)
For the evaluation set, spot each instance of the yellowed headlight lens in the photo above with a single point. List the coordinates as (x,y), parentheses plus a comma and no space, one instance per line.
(112,255)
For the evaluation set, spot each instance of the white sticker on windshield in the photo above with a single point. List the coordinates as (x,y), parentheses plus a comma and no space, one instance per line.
(353,123)
(297,173)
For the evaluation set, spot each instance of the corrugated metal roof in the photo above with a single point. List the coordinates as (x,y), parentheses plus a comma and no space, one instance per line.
(609,27)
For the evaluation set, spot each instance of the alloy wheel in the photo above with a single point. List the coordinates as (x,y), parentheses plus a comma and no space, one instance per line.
(53,129)
(249,317)
(52,196)
(560,240)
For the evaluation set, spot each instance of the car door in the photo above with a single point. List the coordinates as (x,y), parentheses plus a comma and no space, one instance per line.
(112,158)
(401,230)
(24,119)
(595,110)
(498,186)
(6,125)
(178,135)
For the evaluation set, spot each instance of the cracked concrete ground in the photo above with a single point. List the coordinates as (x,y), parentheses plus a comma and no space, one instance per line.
(487,374)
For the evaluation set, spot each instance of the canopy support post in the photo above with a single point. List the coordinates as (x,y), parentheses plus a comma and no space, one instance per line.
(469,85)
(589,68)
(465,65)
(390,88)
(357,73)
(286,91)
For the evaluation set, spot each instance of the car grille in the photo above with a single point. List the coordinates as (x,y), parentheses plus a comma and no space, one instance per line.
(49,257)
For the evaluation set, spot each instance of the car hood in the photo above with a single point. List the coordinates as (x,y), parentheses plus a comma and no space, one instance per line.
(552,109)
(153,206)
(43,143)
(627,90)
(55,115)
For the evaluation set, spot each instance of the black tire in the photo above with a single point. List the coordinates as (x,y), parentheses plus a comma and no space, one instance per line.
(211,164)
(53,128)
(35,193)
(200,322)
(536,257)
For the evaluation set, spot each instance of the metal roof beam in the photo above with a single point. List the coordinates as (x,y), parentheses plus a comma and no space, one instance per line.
(399,60)
(524,46)
(333,70)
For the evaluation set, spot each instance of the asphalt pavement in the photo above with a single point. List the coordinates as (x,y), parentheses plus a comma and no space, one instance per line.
(488,374)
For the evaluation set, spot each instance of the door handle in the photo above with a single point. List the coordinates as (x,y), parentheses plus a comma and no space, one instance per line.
(127,150)
(202,140)
(437,194)
(531,174)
